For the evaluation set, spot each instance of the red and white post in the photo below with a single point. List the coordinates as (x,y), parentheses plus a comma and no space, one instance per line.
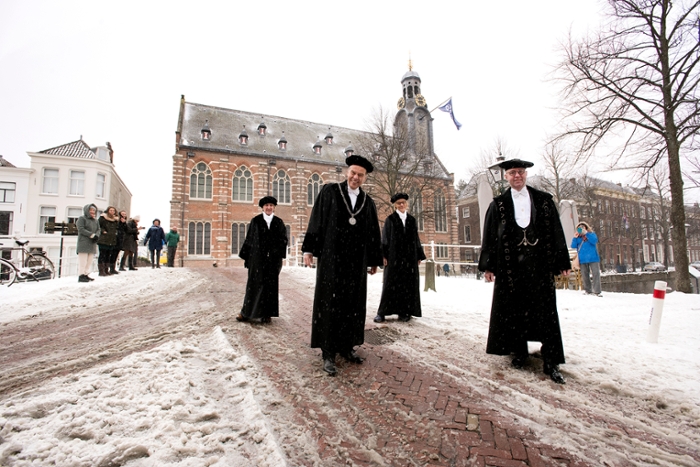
(657,308)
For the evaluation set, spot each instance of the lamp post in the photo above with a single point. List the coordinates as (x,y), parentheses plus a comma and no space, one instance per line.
(498,174)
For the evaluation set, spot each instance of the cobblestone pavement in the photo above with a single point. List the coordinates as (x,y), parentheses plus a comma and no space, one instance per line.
(395,409)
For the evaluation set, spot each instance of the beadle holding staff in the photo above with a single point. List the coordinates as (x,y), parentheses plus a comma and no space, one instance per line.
(343,233)
(523,248)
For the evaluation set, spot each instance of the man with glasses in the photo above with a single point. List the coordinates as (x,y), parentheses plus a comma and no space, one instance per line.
(343,233)
(523,248)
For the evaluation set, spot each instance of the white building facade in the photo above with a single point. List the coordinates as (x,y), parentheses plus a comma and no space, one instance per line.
(60,182)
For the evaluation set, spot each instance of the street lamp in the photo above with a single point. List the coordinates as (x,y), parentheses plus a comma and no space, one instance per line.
(498,175)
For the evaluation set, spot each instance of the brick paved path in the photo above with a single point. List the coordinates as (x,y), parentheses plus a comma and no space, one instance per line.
(391,410)
(412,403)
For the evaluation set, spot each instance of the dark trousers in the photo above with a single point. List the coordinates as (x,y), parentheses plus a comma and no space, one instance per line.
(171,256)
(105,254)
(155,258)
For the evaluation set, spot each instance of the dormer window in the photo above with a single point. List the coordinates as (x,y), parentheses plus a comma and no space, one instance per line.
(317,147)
(206,132)
(243,137)
(329,138)
(349,151)
(282,143)
(262,129)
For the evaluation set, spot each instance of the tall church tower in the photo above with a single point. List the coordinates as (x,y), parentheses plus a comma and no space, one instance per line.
(413,118)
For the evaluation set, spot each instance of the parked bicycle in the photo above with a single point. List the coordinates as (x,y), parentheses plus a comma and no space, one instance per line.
(26,266)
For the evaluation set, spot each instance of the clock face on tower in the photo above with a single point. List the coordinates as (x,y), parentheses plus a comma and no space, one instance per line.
(420,100)
(401,104)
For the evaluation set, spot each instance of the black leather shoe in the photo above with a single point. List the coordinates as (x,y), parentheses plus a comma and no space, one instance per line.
(554,374)
(352,357)
(83,278)
(405,318)
(266,320)
(240,317)
(329,367)
(519,361)
(379,319)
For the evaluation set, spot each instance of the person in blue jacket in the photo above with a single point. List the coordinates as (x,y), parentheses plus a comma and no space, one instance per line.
(585,241)
(155,238)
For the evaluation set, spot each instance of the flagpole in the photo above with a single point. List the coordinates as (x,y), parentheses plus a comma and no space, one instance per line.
(441,104)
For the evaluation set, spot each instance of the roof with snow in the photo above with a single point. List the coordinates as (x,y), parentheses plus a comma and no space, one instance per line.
(225,126)
(79,149)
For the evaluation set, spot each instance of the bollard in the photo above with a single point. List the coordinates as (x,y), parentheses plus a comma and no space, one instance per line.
(657,307)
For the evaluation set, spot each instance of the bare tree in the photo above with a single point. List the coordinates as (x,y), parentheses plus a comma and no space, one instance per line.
(487,157)
(403,163)
(638,80)
(559,166)
(657,181)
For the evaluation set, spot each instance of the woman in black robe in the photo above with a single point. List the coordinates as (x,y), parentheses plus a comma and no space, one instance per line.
(403,254)
(264,249)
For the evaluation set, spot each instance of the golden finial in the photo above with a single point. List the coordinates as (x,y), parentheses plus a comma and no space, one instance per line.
(410,65)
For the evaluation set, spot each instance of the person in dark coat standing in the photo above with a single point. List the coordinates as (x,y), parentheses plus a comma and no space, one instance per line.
(107,243)
(121,232)
(403,254)
(155,239)
(131,243)
(264,249)
(343,233)
(172,238)
(88,234)
(522,249)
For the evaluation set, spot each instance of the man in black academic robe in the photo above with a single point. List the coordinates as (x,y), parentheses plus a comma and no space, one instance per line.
(343,233)
(523,248)
(264,249)
(403,254)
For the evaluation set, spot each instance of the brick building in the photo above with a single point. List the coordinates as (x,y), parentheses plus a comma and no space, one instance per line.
(226,160)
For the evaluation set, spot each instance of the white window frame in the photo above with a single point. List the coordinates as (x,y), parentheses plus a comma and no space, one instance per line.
(52,182)
(100,186)
(77,183)
(7,188)
(45,217)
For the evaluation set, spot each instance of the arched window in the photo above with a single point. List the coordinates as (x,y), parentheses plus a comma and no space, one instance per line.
(282,187)
(238,233)
(416,207)
(201,181)
(312,188)
(440,212)
(242,184)
(199,238)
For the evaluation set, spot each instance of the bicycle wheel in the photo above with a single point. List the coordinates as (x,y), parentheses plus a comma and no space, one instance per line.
(8,274)
(42,266)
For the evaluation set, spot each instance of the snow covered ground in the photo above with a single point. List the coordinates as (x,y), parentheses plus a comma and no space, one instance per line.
(193,402)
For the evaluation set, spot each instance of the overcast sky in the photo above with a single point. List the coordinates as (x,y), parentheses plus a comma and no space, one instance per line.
(115,72)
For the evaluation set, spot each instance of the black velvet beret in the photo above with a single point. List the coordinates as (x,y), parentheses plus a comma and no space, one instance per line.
(515,164)
(361,161)
(267,200)
(399,196)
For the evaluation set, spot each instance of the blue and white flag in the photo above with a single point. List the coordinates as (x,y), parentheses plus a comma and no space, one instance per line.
(447,107)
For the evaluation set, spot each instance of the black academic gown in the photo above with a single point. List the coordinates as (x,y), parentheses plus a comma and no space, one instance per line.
(344,253)
(524,304)
(402,249)
(263,251)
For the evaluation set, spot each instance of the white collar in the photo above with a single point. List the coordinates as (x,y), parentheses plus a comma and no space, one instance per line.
(519,194)
(355,192)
